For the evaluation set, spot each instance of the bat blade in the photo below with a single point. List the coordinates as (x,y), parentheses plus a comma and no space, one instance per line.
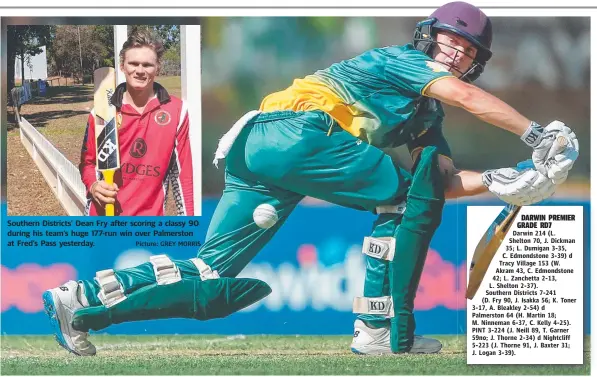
(488,246)
(104,80)
(106,127)
(106,131)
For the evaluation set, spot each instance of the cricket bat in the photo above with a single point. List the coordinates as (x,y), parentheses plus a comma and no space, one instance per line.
(106,128)
(495,234)
(488,246)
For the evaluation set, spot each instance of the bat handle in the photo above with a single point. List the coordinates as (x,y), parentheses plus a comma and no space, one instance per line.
(109,179)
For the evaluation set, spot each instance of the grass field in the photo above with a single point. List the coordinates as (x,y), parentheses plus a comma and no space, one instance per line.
(248,355)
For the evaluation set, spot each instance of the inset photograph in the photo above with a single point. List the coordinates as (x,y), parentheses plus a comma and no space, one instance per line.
(99,120)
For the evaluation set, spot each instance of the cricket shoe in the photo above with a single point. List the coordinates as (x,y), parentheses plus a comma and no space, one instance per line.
(372,341)
(60,304)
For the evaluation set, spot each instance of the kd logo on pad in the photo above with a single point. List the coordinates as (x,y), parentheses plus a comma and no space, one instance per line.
(377,248)
(378,306)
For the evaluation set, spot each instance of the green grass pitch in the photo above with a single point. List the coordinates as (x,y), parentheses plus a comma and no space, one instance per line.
(247,355)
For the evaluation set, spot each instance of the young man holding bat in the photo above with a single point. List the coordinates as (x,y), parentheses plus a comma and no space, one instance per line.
(321,137)
(138,134)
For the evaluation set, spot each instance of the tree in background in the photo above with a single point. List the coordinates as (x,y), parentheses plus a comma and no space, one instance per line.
(79,50)
(170,36)
(24,41)
(171,61)
(105,34)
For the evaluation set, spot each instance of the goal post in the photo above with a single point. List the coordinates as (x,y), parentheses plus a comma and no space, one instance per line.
(120,36)
(190,50)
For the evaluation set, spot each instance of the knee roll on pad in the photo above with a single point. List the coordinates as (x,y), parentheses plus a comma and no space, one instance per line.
(165,271)
(111,291)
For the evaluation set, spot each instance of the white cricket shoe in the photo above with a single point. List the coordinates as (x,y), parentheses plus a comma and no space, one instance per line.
(60,304)
(372,341)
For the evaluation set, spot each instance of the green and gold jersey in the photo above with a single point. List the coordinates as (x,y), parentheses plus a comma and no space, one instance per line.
(377,96)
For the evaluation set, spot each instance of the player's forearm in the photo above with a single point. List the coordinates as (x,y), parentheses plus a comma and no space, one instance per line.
(478,102)
(465,183)
(88,157)
(494,111)
(88,176)
(87,169)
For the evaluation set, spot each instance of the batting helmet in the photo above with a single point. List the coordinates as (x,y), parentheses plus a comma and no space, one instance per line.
(465,20)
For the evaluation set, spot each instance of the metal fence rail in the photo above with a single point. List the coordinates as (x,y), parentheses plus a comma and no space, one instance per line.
(62,176)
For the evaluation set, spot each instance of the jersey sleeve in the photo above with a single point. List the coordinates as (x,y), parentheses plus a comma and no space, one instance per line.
(88,156)
(414,72)
(181,167)
(433,137)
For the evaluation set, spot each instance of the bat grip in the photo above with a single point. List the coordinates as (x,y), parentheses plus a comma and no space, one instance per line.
(109,179)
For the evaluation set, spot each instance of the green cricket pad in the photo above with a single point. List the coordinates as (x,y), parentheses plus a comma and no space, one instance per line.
(426,196)
(189,298)
(377,282)
(422,216)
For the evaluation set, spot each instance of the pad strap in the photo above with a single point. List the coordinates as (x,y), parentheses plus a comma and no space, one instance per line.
(374,305)
(111,291)
(205,272)
(380,248)
(397,209)
(166,272)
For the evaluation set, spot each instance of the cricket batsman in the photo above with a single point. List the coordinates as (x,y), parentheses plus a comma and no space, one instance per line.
(153,131)
(321,137)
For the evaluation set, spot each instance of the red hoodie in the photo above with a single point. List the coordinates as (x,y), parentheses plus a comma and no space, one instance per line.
(155,151)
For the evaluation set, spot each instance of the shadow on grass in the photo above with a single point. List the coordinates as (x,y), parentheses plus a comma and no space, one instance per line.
(64,95)
(58,96)
(41,119)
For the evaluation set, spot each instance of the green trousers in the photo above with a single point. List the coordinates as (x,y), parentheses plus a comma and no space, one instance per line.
(279,159)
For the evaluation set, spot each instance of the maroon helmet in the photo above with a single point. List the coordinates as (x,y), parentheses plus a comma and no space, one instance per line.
(465,20)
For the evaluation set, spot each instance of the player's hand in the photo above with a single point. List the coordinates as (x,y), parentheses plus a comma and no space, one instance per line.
(520,185)
(555,148)
(103,193)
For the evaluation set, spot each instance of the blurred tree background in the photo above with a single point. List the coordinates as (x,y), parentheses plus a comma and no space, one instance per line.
(77,50)
(25,41)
